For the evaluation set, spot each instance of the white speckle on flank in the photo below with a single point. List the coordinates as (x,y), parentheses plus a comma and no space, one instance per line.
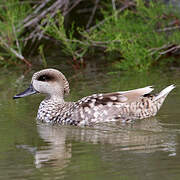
(113,98)
(86,109)
(109,104)
(93,120)
(91,105)
(96,108)
(96,114)
(94,95)
(82,114)
(93,100)
(100,96)
(122,98)
(105,112)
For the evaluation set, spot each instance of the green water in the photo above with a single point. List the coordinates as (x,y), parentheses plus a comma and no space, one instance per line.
(146,149)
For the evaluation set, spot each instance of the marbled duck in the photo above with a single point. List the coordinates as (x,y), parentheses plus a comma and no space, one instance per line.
(122,105)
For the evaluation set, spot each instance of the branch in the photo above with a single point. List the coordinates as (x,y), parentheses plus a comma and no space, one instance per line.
(73,6)
(167,49)
(154,50)
(36,11)
(19,55)
(109,17)
(43,14)
(34,20)
(92,14)
(168,29)
(114,5)
(170,50)
(17,42)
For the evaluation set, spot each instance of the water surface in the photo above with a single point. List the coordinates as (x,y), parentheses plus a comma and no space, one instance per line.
(144,149)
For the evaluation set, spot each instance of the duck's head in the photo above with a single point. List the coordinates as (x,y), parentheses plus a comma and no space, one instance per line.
(48,81)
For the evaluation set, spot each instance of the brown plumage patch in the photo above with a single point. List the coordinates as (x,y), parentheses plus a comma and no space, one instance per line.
(149,95)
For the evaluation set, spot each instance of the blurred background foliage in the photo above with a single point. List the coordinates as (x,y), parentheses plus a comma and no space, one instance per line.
(131,35)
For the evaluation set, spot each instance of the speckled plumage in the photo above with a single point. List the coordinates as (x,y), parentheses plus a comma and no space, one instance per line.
(122,106)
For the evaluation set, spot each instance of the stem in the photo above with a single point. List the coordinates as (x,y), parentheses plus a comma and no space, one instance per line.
(19,55)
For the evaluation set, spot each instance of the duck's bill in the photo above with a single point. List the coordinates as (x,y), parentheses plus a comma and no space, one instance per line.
(27,92)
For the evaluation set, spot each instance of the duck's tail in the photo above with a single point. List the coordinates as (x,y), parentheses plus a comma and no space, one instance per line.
(164,92)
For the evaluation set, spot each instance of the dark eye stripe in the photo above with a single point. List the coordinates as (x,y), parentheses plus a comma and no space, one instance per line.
(44,78)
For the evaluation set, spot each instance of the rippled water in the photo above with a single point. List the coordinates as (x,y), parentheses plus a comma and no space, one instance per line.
(144,149)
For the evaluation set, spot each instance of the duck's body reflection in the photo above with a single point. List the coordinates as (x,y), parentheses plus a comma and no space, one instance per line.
(142,136)
(57,151)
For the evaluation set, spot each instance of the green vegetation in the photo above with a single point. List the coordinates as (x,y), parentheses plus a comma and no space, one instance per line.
(71,46)
(137,35)
(11,40)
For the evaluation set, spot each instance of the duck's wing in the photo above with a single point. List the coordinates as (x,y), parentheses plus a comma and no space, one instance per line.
(129,96)
(115,97)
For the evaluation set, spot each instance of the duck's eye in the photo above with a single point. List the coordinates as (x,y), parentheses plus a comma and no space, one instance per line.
(44,78)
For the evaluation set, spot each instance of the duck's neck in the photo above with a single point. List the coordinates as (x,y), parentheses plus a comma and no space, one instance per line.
(56,98)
